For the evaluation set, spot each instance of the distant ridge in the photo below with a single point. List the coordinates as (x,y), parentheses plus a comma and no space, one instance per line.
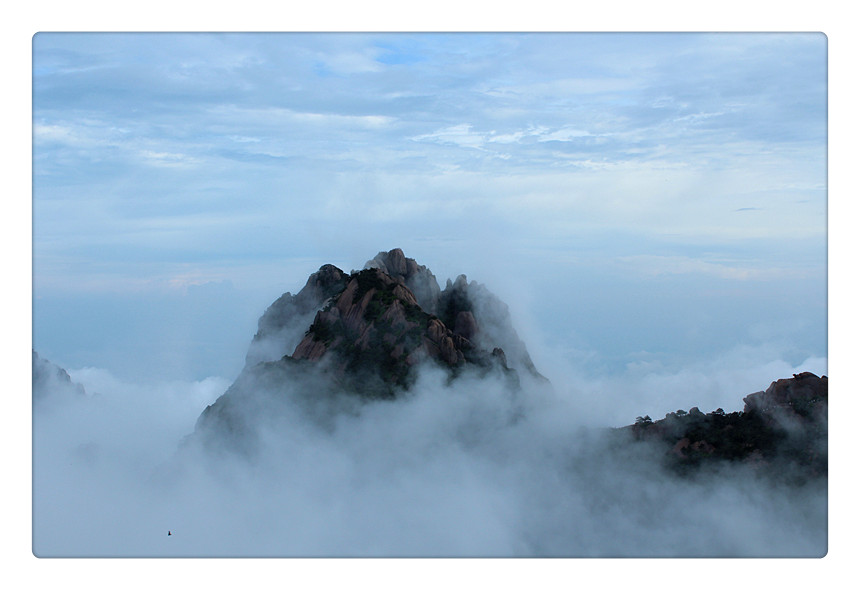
(50,380)
(781,431)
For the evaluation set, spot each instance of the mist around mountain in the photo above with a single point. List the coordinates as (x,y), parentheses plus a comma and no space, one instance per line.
(381,415)
(346,339)
(50,381)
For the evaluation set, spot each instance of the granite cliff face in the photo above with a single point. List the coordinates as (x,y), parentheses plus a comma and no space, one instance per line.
(283,324)
(417,278)
(363,335)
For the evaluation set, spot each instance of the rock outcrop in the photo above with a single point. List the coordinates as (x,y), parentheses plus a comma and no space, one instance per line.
(804,396)
(782,431)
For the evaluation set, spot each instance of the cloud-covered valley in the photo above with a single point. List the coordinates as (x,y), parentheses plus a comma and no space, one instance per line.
(462,469)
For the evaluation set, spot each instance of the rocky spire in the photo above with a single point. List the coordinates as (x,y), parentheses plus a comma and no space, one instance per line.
(416,277)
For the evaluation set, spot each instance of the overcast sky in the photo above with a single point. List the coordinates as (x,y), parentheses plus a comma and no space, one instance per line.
(644,202)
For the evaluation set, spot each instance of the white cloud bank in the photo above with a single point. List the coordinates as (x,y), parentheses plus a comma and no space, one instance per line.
(469,470)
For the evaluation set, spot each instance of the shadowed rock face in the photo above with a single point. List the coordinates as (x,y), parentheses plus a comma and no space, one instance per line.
(365,334)
(477,314)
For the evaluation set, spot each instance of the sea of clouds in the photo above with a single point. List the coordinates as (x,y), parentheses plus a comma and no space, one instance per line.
(468,469)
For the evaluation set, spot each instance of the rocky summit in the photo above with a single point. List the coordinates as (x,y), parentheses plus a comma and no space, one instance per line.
(372,327)
(365,333)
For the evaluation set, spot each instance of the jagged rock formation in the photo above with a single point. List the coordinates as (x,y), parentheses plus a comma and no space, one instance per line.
(417,278)
(365,333)
(49,379)
(781,432)
(375,331)
(481,317)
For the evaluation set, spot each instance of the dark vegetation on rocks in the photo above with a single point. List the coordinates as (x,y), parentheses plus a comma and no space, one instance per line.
(372,330)
(781,433)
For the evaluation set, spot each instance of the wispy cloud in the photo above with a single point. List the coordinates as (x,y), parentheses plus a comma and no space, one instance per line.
(459,135)
(351,62)
(463,135)
(168,159)
(653,265)
(564,134)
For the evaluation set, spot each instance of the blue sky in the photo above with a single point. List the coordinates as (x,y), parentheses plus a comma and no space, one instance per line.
(640,200)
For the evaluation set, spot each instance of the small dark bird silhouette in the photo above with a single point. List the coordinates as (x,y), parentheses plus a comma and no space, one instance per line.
(168,533)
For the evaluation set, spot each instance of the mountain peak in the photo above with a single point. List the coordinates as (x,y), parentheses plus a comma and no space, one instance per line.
(366,334)
(376,330)
(393,262)
(416,277)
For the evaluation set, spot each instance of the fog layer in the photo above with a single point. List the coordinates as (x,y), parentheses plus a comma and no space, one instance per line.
(468,469)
